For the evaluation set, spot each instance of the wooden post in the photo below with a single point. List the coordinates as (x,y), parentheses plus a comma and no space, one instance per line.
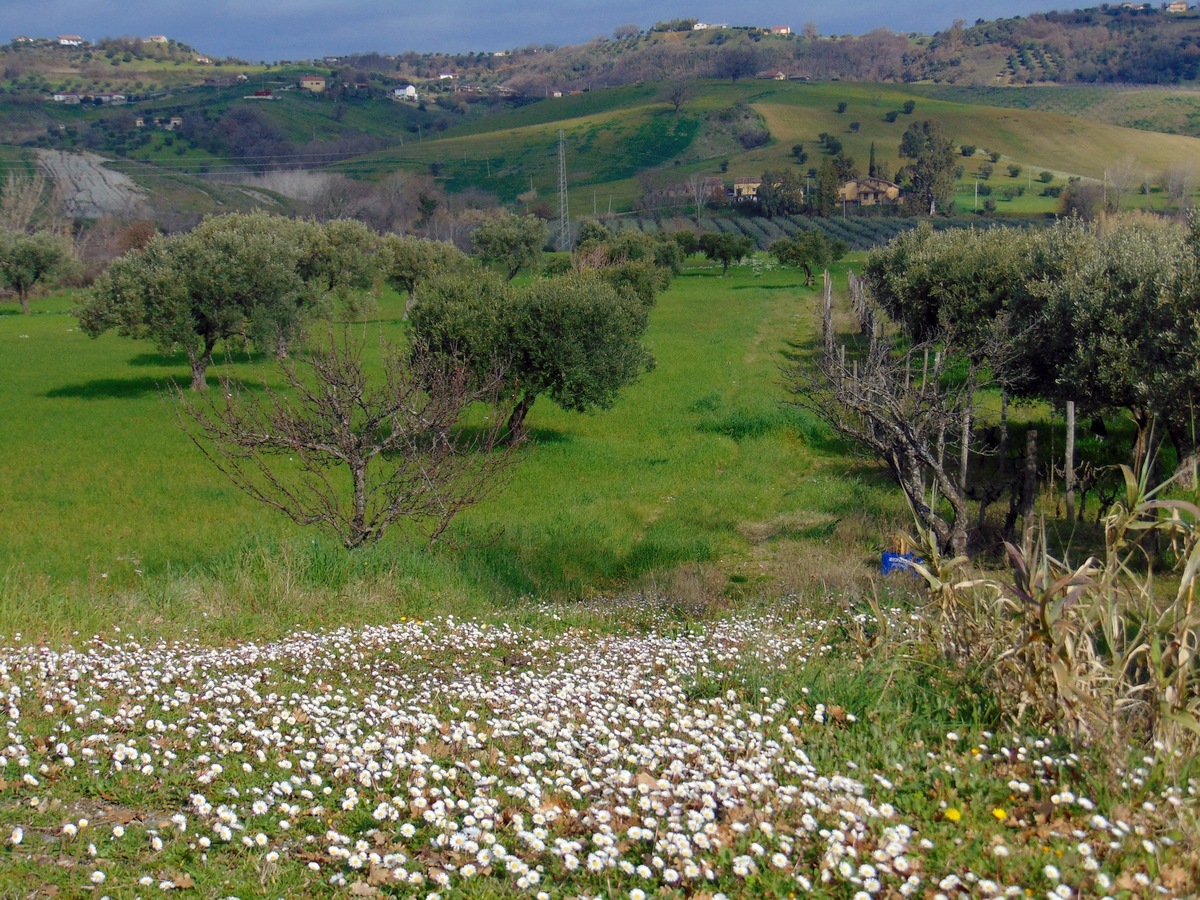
(1003,431)
(966,448)
(1029,491)
(1069,473)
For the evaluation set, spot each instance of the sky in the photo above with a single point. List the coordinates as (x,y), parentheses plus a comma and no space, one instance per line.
(273,30)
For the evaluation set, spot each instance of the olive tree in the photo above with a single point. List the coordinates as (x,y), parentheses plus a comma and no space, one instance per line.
(575,338)
(725,248)
(513,242)
(408,262)
(251,277)
(1128,306)
(809,249)
(27,259)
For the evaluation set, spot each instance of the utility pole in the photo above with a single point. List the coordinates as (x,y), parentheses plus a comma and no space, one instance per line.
(564,224)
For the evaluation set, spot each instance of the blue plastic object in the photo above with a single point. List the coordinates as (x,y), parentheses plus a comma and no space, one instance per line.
(891,562)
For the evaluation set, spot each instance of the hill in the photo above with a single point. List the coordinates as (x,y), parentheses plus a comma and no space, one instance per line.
(485,127)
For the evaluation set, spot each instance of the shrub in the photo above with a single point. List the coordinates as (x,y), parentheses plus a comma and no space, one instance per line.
(1045,177)
(891,115)
(754,137)
(968,149)
(1097,650)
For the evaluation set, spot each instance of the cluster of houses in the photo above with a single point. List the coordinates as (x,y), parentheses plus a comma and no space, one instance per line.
(861,192)
(72,98)
(1174,6)
(774,29)
(319,84)
(858,192)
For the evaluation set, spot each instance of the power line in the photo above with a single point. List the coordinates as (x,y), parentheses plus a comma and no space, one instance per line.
(564,224)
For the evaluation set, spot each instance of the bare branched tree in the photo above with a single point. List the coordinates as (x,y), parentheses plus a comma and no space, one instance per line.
(23,199)
(352,457)
(895,403)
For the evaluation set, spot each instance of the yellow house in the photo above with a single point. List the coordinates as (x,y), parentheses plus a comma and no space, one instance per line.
(745,189)
(869,192)
(314,83)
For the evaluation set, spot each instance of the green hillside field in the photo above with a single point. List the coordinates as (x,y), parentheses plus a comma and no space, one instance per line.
(617,140)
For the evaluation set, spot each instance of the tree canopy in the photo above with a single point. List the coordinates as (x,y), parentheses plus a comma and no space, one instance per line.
(408,262)
(809,249)
(575,338)
(725,248)
(247,276)
(1101,316)
(931,166)
(513,242)
(27,259)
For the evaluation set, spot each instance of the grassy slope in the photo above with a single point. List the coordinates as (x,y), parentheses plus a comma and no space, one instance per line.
(1169,110)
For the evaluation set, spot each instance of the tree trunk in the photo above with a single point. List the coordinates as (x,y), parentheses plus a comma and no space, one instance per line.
(516,421)
(200,363)
(23,296)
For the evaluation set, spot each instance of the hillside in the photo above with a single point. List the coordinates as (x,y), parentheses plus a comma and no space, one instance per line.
(627,142)
(485,126)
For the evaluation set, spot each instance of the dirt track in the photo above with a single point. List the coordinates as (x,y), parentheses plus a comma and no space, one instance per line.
(90,190)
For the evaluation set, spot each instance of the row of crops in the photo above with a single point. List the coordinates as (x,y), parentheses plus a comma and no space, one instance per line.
(859,232)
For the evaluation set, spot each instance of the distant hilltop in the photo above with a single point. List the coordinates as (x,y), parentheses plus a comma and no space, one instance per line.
(1133,43)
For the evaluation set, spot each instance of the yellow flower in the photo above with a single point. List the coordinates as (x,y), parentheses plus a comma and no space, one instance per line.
(953,814)
(999,814)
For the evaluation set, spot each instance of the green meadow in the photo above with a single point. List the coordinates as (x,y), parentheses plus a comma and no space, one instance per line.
(699,480)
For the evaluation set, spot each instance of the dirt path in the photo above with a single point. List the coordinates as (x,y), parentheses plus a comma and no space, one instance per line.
(91,190)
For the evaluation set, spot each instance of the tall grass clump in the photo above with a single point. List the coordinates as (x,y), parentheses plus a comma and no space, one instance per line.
(1103,652)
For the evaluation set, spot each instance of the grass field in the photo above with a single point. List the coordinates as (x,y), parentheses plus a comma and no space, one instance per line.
(104,492)
(655,665)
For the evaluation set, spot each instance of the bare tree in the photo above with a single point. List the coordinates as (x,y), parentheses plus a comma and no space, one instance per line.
(677,93)
(23,201)
(350,457)
(1120,179)
(1178,182)
(896,405)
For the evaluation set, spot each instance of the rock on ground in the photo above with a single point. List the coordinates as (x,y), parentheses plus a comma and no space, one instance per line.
(89,189)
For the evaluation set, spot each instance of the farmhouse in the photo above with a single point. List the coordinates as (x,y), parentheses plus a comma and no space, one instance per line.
(1178,6)
(870,192)
(70,40)
(407,92)
(314,83)
(781,29)
(156,39)
(746,189)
